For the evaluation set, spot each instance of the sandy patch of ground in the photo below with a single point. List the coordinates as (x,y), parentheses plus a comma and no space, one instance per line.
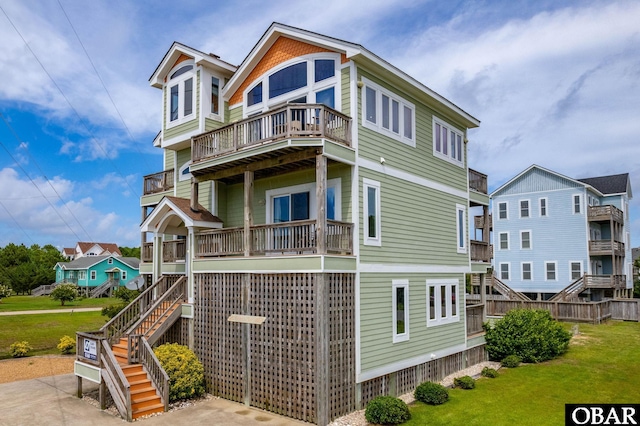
(12,370)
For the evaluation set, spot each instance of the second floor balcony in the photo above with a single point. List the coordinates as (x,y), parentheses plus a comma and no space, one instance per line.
(158,182)
(606,248)
(605,214)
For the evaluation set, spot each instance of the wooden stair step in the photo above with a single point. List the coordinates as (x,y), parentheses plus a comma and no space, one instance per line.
(144,392)
(155,408)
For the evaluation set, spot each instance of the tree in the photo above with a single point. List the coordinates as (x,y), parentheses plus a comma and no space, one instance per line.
(64,293)
(636,282)
(130,252)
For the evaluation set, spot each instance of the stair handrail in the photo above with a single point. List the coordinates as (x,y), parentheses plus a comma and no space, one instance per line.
(119,324)
(116,381)
(572,288)
(158,376)
(99,290)
(510,293)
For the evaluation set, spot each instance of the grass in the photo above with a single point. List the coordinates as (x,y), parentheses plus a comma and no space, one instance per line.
(43,331)
(601,366)
(29,303)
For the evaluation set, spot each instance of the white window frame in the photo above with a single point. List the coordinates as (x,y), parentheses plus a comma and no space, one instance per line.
(395,284)
(450,129)
(530,271)
(180,82)
(309,90)
(571,263)
(546,207)
(461,228)
(123,275)
(506,206)
(92,276)
(182,168)
(377,240)
(528,209)
(555,270)
(110,261)
(573,204)
(311,189)
(508,265)
(451,315)
(530,239)
(82,275)
(500,241)
(205,94)
(377,126)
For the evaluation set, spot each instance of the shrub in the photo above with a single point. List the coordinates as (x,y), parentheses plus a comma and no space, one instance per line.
(125,294)
(431,393)
(511,361)
(533,335)
(186,373)
(5,291)
(387,410)
(67,345)
(489,372)
(19,349)
(112,310)
(65,293)
(464,382)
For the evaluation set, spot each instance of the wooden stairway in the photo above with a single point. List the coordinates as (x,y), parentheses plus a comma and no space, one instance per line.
(145,398)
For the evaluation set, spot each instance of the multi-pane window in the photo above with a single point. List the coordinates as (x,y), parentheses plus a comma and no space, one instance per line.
(577,205)
(298,202)
(400,310)
(524,208)
(123,275)
(371,212)
(215,95)
(447,142)
(387,113)
(576,270)
(504,241)
(543,207)
(504,271)
(502,211)
(550,271)
(180,91)
(254,96)
(461,228)
(526,271)
(525,240)
(288,79)
(442,301)
(93,275)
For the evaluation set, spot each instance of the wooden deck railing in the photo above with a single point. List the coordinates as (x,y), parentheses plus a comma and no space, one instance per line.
(158,182)
(480,251)
(596,213)
(298,237)
(289,121)
(605,281)
(478,181)
(146,254)
(174,250)
(606,246)
(593,312)
(474,316)
(478,222)
(158,376)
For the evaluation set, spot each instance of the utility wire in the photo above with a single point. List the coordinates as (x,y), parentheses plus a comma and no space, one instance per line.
(16,222)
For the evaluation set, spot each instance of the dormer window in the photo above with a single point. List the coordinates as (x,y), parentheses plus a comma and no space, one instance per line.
(181,102)
(310,80)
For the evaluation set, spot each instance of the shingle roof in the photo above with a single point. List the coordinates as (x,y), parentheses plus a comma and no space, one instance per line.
(106,247)
(202,215)
(613,184)
(88,261)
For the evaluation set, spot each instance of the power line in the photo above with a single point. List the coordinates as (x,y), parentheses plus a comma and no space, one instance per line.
(16,222)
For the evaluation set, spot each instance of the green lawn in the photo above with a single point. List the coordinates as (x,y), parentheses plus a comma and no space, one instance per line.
(28,303)
(43,331)
(601,366)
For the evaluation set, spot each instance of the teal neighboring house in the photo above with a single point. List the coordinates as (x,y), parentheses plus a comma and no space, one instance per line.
(96,275)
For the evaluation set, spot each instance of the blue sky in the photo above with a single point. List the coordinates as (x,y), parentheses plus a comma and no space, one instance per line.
(554,83)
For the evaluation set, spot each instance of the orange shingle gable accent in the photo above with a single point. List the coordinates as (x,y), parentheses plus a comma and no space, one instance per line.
(282,50)
(181,58)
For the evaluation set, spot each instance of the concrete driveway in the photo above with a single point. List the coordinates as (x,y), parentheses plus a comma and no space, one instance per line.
(52,401)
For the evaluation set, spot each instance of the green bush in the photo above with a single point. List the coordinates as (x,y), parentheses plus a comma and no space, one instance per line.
(464,382)
(19,349)
(5,291)
(533,335)
(489,372)
(113,310)
(125,294)
(65,293)
(67,345)
(511,361)
(387,410)
(431,393)
(186,373)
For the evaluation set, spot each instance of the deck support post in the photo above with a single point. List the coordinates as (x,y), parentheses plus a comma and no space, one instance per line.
(248,215)
(194,195)
(321,203)
(322,349)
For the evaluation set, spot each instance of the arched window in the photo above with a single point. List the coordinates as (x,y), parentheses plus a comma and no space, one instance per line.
(180,92)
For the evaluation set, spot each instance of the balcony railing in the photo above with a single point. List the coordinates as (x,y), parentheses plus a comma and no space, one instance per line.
(174,250)
(477,181)
(287,238)
(608,212)
(158,182)
(606,246)
(474,319)
(146,254)
(480,251)
(605,281)
(478,222)
(289,121)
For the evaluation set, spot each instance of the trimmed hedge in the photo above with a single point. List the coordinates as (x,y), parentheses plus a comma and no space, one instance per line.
(20,349)
(186,373)
(464,382)
(511,361)
(492,373)
(431,393)
(387,410)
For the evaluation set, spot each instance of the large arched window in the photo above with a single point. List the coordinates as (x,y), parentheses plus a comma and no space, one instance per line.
(311,79)
(181,102)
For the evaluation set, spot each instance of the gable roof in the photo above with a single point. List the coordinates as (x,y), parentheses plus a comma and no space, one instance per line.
(180,207)
(612,184)
(351,51)
(106,247)
(87,262)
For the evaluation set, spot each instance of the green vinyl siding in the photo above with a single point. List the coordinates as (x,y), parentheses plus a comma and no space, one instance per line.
(183,187)
(418,160)
(418,224)
(169,159)
(376,332)
(346,91)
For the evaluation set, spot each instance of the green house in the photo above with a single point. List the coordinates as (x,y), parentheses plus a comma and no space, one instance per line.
(93,274)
